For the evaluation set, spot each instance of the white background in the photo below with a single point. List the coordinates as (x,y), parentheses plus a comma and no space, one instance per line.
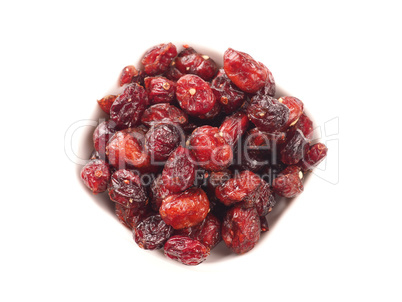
(339,241)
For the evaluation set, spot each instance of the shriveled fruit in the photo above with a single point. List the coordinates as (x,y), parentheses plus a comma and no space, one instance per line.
(267,113)
(152,233)
(158,192)
(186,250)
(233,127)
(314,156)
(127,109)
(130,217)
(262,199)
(289,182)
(185,209)
(164,113)
(127,75)
(103,132)
(241,229)
(158,58)
(198,64)
(210,149)
(179,170)
(305,125)
(126,189)
(162,139)
(269,87)
(295,149)
(194,95)
(245,72)
(295,108)
(96,175)
(160,90)
(106,102)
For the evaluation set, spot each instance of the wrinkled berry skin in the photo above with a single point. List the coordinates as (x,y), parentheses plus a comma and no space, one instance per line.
(162,139)
(158,58)
(305,125)
(295,108)
(130,217)
(96,175)
(208,232)
(126,189)
(194,95)
(160,90)
(267,113)
(185,209)
(245,72)
(295,149)
(185,250)
(126,149)
(238,188)
(233,127)
(241,229)
(127,75)
(103,132)
(106,102)
(127,109)
(164,113)
(210,149)
(269,87)
(262,199)
(152,233)
(158,192)
(198,64)
(226,93)
(288,183)
(314,156)
(179,170)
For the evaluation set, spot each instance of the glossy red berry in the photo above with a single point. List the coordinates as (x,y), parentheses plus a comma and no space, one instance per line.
(158,58)
(96,175)
(185,250)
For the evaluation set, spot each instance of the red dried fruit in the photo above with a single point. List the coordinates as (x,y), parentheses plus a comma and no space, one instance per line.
(305,125)
(158,193)
(162,139)
(103,132)
(238,188)
(267,113)
(210,149)
(245,72)
(269,87)
(128,108)
(295,108)
(126,149)
(241,229)
(160,89)
(185,250)
(295,149)
(127,75)
(262,199)
(164,113)
(226,93)
(208,232)
(152,233)
(179,171)
(212,114)
(126,189)
(130,217)
(264,224)
(288,183)
(194,95)
(233,127)
(106,102)
(185,209)
(158,58)
(314,156)
(96,175)
(195,63)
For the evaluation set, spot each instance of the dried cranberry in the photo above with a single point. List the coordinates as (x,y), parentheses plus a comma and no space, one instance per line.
(130,217)
(103,132)
(295,108)
(173,73)
(288,183)
(158,192)
(106,102)
(179,171)
(269,87)
(267,113)
(264,224)
(314,156)
(185,250)
(212,114)
(262,199)
(162,139)
(226,93)
(96,175)
(194,95)
(126,188)
(295,149)
(158,58)
(127,75)
(128,108)
(126,149)
(246,73)
(160,90)
(185,209)
(241,229)
(196,63)
(164,113)
(233,127)
(152,233)
(210,149)
(305,125)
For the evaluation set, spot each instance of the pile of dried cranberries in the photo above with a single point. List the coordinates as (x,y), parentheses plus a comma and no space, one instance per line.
(193,154)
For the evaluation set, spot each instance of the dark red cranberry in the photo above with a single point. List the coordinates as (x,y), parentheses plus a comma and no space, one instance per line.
(185,250)
(314,156)
(233,127)
(127,75)
(196,63)
(160,90)
(152,233)
(96,175)
(103,132)
(295,149)
(295,108)
(164,113)
(288,183)
(130,217)
(158,58)
(158,192)
(162,139)
(106,102)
